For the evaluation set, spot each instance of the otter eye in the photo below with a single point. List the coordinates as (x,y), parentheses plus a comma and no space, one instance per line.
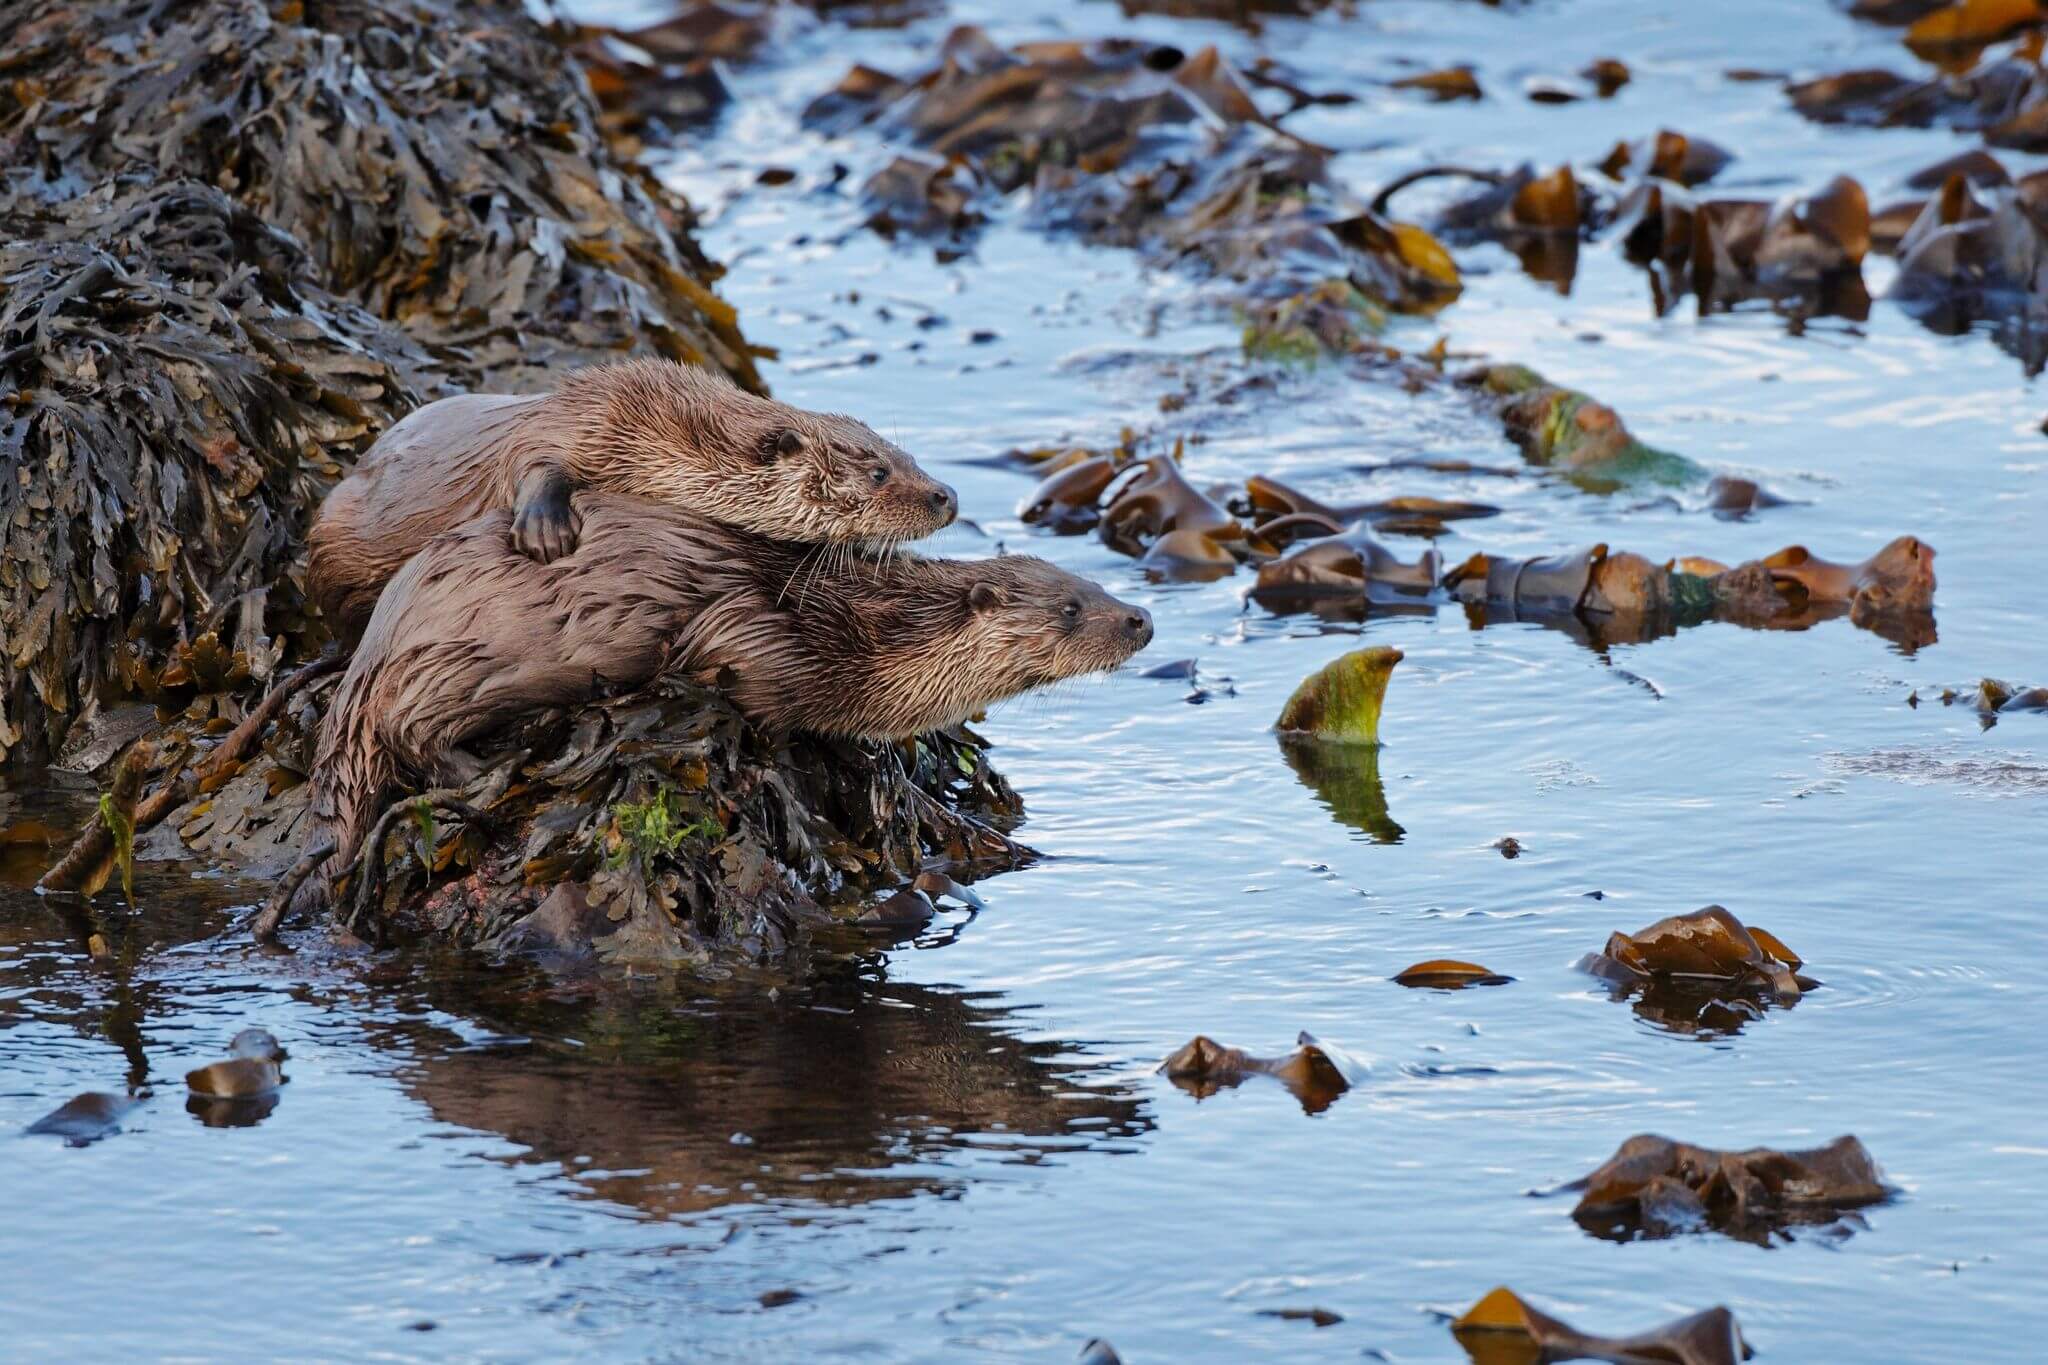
(1071,609)
(879,475)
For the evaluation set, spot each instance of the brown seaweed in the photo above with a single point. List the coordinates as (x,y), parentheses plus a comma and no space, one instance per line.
(1315,1072)
(1503,1329)
(299,224)
(1448,974)
(1655,1187)
(1704,972)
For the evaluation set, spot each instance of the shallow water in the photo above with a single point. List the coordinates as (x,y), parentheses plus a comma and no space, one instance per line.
(962,1150)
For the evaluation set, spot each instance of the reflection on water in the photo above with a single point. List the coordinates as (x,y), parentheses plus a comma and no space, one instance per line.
(1346,778)
(835,1093)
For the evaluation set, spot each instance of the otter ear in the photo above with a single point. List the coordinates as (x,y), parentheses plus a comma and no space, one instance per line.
(781,445)
(984,596)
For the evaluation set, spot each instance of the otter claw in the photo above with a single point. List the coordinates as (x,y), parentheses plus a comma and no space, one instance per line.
(545,527)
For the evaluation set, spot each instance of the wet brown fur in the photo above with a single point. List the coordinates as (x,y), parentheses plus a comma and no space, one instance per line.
(470,635)
(676,434)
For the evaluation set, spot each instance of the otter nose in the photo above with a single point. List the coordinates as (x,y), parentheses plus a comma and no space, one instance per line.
(945,503)
(1138,625)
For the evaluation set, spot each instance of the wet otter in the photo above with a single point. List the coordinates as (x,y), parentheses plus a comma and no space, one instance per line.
(679,435)
(470,635)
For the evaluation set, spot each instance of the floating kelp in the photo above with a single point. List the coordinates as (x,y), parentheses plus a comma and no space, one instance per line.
(1654,1187)
(1967,26)
(84,1119)
(1143,145)
(241,1091)
(2006,100)
(1282,514)
(1990,698)
(1341,701)
(1157,500)
(1608,597)
(1445,83)
(1316,1073)
(922,196)
(1687,161)
(1329,732)
(1969,255)
(1704,972)
(1448,974)
(1567,430)
(251,1072)
(1350,564)
(1502,1329)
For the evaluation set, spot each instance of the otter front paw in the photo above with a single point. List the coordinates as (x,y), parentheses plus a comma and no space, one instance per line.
(545,525)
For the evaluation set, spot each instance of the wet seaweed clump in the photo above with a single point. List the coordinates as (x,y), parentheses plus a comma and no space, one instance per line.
(659,829)
(182,393)
(1991,698)
(1655,1187)
(1703,973)
(241,240)
(1139,144)
(1504,1329)
(1315,1072)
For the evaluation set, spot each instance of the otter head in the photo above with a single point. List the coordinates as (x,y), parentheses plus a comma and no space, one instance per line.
(844,482)
(1033,623)
(684,435)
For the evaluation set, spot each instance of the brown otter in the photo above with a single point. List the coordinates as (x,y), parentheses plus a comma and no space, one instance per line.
(679,435)
(470,635)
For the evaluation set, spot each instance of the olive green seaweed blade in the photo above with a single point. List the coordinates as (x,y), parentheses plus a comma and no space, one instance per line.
(1341,701)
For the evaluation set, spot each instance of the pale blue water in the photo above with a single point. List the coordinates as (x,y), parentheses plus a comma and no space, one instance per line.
(963,1153)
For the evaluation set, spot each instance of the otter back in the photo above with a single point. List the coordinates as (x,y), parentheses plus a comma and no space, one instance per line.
(675,435)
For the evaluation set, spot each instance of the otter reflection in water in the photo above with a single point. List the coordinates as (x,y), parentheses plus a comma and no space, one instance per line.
(836,1093)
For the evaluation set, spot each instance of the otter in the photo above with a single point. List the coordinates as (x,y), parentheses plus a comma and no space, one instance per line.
(678,435)
(471,634)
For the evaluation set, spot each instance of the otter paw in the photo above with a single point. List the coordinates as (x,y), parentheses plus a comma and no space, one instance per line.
(545,526)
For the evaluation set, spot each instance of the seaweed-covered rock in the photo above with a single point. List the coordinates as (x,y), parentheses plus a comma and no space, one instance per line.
(442,162)
(239,241)
(181,394)
(654,829)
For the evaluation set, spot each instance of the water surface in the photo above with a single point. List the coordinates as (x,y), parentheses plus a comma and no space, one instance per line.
(959,1150)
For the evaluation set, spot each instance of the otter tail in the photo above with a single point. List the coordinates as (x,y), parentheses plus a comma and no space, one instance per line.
(352,771)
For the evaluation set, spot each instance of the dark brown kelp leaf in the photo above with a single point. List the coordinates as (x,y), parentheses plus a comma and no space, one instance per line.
(1502,1329)
(659,830)
(1348,564)
(1970,25)
(1447,83)
(1654,1187)
(1315,1072)
(411,201)
(1897,579)
(1704,972)
(1159,499)
(1669,156)
(1068,501)
(1448,974)
(157,329)
(922,196)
